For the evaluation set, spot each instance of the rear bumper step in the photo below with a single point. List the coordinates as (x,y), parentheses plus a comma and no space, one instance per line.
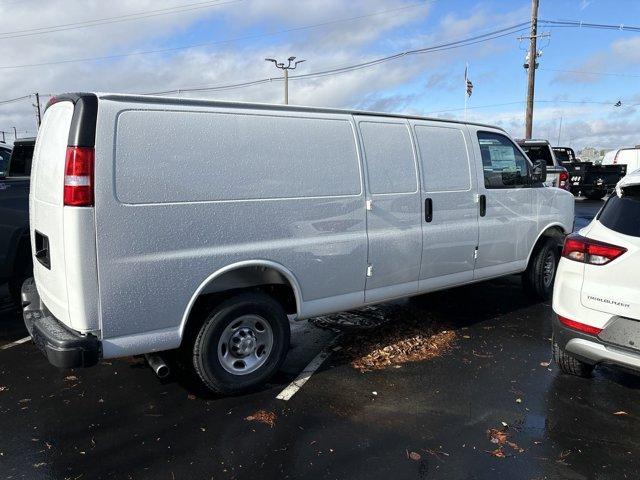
(63,347)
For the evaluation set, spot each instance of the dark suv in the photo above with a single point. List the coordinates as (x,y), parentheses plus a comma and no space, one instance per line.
(15,249)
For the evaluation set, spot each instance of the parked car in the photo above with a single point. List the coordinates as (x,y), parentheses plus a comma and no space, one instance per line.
(15,251)
(557,175)
(5,154)
(597,292)
(585,178)
(623,156)
(201,225)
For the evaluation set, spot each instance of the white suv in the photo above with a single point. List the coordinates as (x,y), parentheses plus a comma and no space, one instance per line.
(597,291)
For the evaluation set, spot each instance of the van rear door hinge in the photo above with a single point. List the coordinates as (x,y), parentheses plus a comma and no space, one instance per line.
(368,205)
(475,254)
(369,270)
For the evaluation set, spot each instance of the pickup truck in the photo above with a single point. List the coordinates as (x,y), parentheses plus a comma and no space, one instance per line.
(592,181)
(15,249)
(540,150)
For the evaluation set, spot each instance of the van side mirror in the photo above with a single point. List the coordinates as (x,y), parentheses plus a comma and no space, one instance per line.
(539,172)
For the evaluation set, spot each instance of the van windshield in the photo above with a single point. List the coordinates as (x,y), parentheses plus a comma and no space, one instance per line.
(621,214)
(539,152)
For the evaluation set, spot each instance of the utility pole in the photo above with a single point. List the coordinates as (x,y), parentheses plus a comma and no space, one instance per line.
(15,133)
(531,74)
(37,105)
(4,140)
(285,68)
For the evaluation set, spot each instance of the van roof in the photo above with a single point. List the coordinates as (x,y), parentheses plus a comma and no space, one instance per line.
(264,106)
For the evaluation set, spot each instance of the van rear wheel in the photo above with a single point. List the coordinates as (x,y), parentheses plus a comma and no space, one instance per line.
(241,344)
(540,275)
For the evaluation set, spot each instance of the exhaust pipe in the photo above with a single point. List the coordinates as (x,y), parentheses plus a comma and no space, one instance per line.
(158,365)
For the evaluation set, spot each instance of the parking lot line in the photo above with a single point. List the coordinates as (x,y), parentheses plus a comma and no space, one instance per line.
(309,370)
(13,344)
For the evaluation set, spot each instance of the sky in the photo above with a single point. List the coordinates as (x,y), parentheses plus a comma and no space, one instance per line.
(54,46)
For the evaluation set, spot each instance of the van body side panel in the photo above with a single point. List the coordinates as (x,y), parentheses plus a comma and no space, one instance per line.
(448,183)
(185,193)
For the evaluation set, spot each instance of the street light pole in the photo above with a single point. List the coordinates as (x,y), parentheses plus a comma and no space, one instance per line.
(290,65)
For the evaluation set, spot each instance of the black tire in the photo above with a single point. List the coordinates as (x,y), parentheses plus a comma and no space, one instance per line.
(571,365)
(22,270)
(205,355)
(597,195)
(535,280)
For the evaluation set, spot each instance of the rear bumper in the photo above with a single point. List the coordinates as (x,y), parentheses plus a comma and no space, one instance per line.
(592,350)
(64,348)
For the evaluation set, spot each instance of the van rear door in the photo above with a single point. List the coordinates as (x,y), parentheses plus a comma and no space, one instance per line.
(46,209)
(62,237)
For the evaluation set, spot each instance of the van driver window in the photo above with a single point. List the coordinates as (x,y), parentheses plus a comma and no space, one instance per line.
(503,164)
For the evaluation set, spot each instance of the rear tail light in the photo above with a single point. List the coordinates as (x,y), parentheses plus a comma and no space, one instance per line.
(564,179)
(585,250)
(581,327)
(78,177)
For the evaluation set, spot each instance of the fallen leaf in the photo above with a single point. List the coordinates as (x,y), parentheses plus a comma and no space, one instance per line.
(545,364)
(3,389)
(191,397)
(498,453)
(621,412)
(263,416)
(71,378)
(415,456)
(518,400)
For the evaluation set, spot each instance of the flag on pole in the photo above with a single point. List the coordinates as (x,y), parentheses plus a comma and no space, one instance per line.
(467,82)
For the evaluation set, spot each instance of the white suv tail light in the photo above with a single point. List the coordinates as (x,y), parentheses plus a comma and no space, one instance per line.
(585,250)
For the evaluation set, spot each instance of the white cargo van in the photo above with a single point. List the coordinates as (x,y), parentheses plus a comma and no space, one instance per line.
(160,224)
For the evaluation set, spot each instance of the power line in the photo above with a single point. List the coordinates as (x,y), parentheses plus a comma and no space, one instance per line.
(218,42)
(116,19)
(11,100)
(578,102)
(580,24)
(349,68)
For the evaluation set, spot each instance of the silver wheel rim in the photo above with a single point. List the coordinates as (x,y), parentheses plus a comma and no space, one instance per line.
(548,269)
(245,344)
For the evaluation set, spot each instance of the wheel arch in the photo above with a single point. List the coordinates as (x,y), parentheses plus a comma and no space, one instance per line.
(553,230)
(233,277)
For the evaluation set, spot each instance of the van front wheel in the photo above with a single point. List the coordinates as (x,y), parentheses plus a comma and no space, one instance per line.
(241,344)
(540,275)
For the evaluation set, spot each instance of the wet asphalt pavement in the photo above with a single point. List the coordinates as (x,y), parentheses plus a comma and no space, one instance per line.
(426,419)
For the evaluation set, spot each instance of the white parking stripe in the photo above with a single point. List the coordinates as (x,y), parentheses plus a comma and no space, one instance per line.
(309,370)
(13,344)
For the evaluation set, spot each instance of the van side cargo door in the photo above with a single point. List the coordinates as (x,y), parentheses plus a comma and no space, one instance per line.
(393,208)
(450,221)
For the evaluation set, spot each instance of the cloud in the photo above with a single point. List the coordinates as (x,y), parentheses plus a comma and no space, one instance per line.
(620,56)
(400,85)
